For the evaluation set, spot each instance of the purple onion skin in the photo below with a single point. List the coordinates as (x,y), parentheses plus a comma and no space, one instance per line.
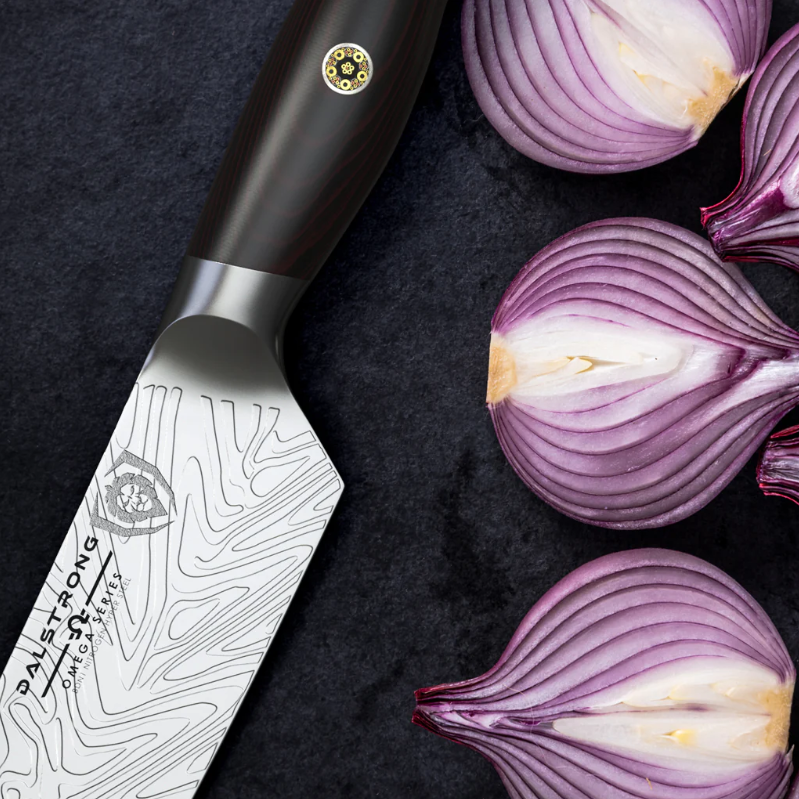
(602,626)
(759,221)
(536,78)
(654,451)
(778,469)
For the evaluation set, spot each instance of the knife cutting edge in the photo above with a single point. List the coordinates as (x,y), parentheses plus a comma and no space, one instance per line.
(214,490)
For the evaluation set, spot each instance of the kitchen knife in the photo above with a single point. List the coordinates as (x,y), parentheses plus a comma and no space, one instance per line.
(214,491)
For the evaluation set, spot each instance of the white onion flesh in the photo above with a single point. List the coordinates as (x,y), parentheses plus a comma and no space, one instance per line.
(669,60)
(743,716)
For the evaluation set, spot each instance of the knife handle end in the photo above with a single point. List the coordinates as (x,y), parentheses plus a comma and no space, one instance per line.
(324,117)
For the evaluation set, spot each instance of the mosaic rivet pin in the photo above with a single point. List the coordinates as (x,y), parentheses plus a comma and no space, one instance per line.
(347,68)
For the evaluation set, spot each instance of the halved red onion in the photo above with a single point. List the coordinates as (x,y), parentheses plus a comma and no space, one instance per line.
(759,221)
(632,373)
(643,675)
(778,469)
(608,85)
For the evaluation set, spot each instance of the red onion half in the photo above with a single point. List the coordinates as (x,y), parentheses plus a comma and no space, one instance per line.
(632,373)
(643,675)
(608,85)
(759,221)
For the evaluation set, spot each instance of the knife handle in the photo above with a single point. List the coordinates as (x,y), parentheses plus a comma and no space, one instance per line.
(306,153)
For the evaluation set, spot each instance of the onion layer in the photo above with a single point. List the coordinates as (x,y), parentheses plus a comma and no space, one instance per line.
(643,675)
(632,373)
(759,221)
(608,85)
(778,470)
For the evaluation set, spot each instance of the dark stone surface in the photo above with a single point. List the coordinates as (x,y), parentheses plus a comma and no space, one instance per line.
(113,117)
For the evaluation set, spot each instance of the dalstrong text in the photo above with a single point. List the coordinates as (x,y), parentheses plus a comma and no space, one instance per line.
(78,621)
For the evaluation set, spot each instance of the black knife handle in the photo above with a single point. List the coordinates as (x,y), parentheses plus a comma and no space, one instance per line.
(304,157)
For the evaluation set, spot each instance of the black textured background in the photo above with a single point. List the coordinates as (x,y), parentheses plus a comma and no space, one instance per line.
(113,118)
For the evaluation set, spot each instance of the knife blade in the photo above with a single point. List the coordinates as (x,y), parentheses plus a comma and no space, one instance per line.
(214,490)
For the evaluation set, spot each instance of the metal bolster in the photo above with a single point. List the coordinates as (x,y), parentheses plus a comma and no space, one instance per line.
(260,301)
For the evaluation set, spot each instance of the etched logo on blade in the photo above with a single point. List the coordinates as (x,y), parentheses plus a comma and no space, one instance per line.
(139,495)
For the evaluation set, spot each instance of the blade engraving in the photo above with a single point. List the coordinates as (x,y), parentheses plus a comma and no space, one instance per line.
(164,597)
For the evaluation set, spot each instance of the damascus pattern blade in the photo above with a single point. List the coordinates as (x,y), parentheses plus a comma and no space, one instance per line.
(180,564)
